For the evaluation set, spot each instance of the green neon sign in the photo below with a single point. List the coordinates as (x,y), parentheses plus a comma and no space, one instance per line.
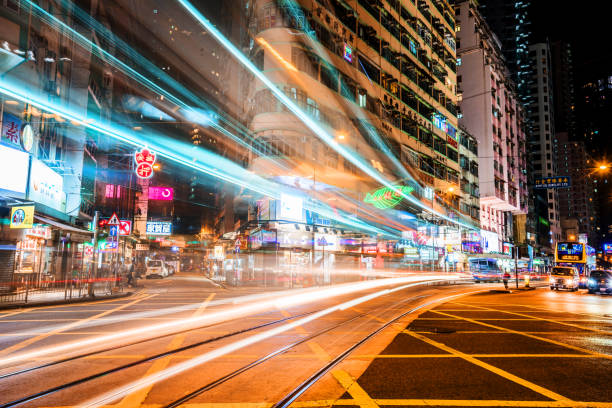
(387,197)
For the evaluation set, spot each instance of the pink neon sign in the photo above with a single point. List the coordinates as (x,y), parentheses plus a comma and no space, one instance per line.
(161,193)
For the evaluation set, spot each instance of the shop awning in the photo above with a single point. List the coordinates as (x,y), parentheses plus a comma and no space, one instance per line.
(62,226)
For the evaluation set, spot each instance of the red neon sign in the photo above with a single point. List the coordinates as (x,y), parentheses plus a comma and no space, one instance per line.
(144,163)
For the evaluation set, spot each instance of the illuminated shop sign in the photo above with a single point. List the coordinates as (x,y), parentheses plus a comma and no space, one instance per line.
(159,228)
(507,248)
(607,248)
(144,159)
(13,170)
(291,207)
(348,53)
(46,186)
(387,197)
(27,137)
(39,231)
(11,130)
(471,247)
(161,193)
(22,216)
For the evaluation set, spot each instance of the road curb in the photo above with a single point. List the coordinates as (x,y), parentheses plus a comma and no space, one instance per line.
(64,302)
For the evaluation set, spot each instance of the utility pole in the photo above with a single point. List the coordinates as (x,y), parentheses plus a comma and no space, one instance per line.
(93,271)
(516,265)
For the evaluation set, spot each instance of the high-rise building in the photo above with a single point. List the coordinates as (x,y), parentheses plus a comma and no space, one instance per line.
(470,187)
(542,136)
(577,202)
(380,78)
(563,88)
(509,20)
(492,114)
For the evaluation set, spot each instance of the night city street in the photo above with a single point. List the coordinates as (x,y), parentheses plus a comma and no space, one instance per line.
(305,203)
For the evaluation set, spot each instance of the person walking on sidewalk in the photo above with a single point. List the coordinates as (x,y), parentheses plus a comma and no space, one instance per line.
(506,278)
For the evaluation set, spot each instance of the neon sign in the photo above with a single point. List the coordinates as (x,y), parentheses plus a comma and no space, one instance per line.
(161,193)
(144,163)
(386,197)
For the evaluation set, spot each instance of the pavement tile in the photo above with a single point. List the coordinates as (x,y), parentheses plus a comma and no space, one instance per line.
(579,379)
(438,378)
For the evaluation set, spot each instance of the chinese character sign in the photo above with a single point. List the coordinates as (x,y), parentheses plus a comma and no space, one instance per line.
(11,130)
(159,228)
(144,163)
(553,182)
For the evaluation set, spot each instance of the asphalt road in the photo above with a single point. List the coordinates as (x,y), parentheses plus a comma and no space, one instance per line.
(446,348)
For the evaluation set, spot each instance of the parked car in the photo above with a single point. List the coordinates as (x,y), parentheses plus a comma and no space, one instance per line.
(564,277)
(600,281)
(156,269)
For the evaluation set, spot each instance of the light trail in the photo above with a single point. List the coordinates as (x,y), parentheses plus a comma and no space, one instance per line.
(188,112)
(285,301)
(305,118)
(152,379)
(179,152)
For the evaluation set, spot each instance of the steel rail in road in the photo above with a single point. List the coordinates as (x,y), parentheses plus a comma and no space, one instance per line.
(91,377)
(288,399)
(275,353)
(281,350)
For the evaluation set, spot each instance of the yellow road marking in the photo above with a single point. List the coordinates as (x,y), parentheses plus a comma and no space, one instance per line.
(137,398)
(360,396)
(32,340)
(549,320)
(502,373)
(394,402)
(532,336)
(375,356)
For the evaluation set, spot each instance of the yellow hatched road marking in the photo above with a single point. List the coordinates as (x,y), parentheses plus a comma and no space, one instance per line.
(502,373)
(391,402)
(137,398)
(360,396)
(374,356)
(32,340)
(532,336)
(548,320)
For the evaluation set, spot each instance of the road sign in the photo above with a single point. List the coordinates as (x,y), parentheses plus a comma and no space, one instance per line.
(552,182)
(113,220)
(113,230)
(125,227)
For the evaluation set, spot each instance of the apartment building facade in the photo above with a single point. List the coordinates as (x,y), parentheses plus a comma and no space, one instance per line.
(379,76)
(492,113)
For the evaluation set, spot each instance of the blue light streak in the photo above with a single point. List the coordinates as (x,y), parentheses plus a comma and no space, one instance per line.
(305,118)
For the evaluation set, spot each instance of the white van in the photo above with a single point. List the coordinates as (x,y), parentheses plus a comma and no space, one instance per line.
(156,269)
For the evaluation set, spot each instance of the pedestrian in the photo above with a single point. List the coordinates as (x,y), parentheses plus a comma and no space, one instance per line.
(505,278)
(130,275)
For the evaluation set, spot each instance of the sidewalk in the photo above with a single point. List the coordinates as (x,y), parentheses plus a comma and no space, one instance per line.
(37,299)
